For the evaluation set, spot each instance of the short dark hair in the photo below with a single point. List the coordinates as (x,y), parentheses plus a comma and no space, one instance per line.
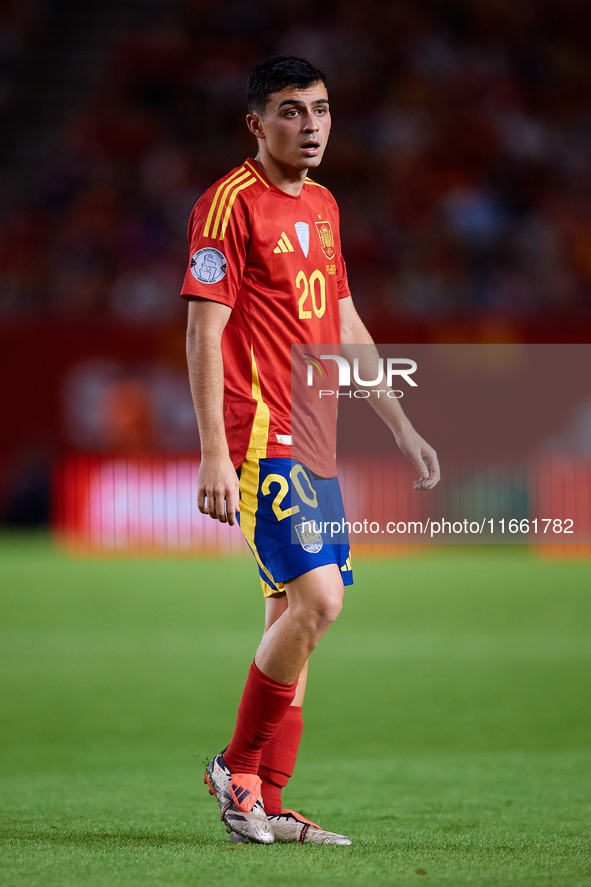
(275,74)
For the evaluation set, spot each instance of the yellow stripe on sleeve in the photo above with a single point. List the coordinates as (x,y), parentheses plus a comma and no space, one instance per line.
(222,202)
(233,197)
(215,200)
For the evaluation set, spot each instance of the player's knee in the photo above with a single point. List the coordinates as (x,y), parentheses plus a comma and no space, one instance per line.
(320,613)
(331,607)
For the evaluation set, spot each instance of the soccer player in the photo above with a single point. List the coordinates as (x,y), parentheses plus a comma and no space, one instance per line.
(266,272)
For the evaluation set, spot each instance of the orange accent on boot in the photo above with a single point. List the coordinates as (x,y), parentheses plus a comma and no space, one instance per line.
(245,789)
(300,818)
(207,782)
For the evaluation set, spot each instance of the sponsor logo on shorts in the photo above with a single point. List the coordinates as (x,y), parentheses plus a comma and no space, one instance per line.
(208,265)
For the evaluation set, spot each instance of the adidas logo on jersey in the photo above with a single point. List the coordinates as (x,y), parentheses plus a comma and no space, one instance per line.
(284,244)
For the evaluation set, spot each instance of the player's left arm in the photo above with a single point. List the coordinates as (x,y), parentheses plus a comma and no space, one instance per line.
(420,453)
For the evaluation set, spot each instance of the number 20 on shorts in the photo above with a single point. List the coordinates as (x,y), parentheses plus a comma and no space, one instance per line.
(308,498)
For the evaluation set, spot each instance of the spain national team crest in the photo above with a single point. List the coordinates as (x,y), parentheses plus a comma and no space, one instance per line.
(326,239)
(309,535)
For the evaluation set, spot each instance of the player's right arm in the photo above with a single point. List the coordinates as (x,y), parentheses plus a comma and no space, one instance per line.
(218,236)
(217,489)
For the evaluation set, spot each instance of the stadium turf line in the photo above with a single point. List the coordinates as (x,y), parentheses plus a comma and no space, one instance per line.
(447,722)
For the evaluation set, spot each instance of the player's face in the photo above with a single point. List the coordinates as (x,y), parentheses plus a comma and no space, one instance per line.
(295,127)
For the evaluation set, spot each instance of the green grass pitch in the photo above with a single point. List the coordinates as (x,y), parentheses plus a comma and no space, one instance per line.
(447,722)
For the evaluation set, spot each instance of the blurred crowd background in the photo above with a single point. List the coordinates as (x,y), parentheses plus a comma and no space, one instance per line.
(460,158)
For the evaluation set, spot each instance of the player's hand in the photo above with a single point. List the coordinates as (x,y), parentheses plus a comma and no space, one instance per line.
(422,456)
(217,489)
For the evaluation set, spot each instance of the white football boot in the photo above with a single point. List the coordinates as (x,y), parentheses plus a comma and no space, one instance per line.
(289,827)
(241,804)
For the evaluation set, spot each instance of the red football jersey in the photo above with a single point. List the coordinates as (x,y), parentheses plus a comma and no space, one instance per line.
(275,259)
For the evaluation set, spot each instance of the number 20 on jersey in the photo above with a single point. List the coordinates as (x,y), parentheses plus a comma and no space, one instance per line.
(313,294)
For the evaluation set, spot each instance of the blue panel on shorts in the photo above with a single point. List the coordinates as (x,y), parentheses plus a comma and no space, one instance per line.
(312,536)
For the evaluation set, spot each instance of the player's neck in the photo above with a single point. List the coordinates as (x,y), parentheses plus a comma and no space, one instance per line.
(285,178)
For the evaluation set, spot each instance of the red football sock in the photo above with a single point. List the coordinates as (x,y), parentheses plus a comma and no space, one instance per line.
(279,756)
(262,708)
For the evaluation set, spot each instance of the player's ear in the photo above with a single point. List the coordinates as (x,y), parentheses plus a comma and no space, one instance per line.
(253,121)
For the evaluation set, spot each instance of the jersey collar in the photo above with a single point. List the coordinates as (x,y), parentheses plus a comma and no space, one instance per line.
(253,166)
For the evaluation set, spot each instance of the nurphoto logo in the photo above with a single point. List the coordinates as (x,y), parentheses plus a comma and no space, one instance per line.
(394,367)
